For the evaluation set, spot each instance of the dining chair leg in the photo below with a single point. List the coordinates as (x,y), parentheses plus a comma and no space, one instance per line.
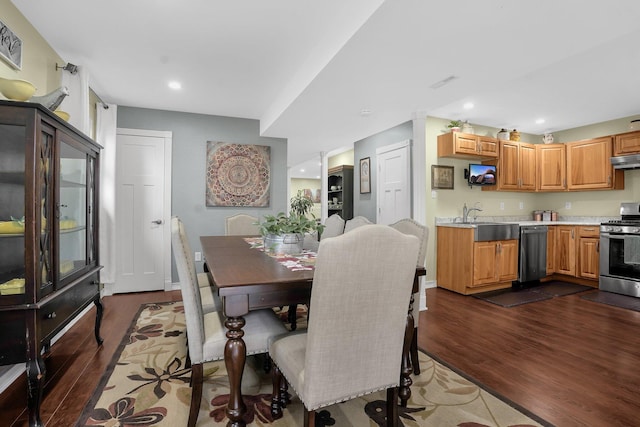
(392,407)
(196,393)
(309,418)
(276,407)
(414,353)
(292,316)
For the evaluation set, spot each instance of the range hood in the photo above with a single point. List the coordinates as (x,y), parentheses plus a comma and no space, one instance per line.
(631,161)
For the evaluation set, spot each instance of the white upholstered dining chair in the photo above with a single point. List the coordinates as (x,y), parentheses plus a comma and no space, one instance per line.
(355,222)
(241,225)
(333,226)
(208,299)
(206,333)
(414,228)
(359,351)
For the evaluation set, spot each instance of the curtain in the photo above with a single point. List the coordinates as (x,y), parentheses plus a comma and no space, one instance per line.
(77,103)
(106,123)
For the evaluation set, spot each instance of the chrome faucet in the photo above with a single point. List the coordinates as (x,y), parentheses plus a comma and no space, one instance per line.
(466,211)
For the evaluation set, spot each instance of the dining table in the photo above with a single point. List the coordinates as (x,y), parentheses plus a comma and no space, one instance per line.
(247,278)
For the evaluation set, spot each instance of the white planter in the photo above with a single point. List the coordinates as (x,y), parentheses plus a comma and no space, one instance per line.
(280,244)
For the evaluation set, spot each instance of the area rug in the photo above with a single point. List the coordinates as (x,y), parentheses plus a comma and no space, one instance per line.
(511,298)
(558,288)
(616,300)
(147,384)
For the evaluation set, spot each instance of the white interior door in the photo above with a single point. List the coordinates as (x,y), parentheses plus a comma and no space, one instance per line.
(142,211)
(394,183)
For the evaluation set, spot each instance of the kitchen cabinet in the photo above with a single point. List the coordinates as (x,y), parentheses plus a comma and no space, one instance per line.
(517,166)
(551,249)
(565,250)
(589,165)
(495,261)
(341,180)
(626,143)
(49,269)
(588,252)
(470,267)
(467,146)
(551,167)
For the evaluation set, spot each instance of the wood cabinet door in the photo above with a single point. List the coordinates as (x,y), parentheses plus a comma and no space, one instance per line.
(527,166)
(565,250)
(551,249)
(507,260)
(465,143)
(488,146)
(589,165)
(508,177)
(484,263)
(626,143)
(588,257)
(588,252)
(552,167)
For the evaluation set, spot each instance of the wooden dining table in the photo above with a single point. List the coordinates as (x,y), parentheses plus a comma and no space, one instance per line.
(247,279)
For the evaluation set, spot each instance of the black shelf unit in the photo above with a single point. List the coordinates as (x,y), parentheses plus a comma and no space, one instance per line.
(341,180)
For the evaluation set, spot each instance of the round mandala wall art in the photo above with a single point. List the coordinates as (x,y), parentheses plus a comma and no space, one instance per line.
(238,174)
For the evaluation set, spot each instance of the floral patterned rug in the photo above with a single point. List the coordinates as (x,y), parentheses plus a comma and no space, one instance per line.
(147,384)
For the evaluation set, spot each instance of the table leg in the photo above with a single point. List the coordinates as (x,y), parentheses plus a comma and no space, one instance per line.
(406,369)
(235,354)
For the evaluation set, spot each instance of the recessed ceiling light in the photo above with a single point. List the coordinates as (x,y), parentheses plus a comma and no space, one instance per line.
(468,105)
(301,170)
(175,85)
(539,121)
(365,112)
(317,176)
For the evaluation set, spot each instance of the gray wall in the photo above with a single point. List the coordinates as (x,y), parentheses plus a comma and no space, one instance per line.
(365,204)
(190,135)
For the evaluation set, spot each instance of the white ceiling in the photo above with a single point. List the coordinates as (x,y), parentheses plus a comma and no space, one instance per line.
(306,69)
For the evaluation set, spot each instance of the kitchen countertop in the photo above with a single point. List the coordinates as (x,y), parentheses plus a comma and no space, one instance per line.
(587,221)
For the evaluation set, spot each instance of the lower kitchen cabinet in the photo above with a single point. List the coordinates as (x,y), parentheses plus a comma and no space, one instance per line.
(588,252)
(565,250)
(470,267)
(576,251)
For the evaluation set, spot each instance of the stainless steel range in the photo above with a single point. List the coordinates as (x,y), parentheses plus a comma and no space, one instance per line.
(620,252)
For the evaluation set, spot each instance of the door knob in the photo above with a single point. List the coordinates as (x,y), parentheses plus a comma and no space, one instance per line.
(157,221)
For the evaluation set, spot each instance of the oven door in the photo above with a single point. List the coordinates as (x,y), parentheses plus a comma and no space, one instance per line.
(614,265)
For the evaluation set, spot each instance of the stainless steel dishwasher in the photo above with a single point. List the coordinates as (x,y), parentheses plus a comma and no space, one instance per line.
(532,257)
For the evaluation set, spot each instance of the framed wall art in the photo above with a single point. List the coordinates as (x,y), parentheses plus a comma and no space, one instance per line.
(365,175)
(10,47)
(238,174)
(441,177)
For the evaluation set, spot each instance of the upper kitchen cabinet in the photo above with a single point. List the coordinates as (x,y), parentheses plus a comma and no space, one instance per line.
(467,146)
(626,143)
(589,165)
(517,166)
(552,167)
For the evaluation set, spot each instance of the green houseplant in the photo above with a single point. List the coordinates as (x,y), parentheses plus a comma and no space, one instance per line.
(454,125)
(285,234)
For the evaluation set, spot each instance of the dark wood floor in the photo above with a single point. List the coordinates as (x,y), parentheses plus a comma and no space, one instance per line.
(570,361)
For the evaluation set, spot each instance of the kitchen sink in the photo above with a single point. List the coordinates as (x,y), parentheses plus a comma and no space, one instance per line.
(486,231)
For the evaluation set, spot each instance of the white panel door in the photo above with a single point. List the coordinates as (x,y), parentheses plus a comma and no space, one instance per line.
(140,216)
(394,187)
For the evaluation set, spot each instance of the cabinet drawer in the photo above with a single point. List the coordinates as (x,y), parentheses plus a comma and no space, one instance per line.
(56,313)
(588,231)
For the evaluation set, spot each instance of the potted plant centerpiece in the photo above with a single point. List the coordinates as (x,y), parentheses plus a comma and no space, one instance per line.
(454,125)
(284,234)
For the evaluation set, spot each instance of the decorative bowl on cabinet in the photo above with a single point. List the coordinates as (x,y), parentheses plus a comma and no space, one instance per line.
(16,90)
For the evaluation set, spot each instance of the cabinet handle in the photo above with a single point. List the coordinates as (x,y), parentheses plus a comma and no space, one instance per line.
(609,180)
(572,233)
(51,315)
(598,246)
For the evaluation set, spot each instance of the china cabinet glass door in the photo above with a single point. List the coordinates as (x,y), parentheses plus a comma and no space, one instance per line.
(72,211)
(12,214)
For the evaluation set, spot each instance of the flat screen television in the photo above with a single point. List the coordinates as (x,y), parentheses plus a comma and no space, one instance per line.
(482,174)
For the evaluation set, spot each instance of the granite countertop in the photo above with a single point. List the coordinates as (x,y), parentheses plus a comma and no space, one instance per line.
(451,222)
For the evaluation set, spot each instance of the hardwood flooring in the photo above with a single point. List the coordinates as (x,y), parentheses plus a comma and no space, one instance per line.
(570,361)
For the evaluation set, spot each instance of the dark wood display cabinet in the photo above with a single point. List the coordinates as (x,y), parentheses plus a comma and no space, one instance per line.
(340,191)
(49,269)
